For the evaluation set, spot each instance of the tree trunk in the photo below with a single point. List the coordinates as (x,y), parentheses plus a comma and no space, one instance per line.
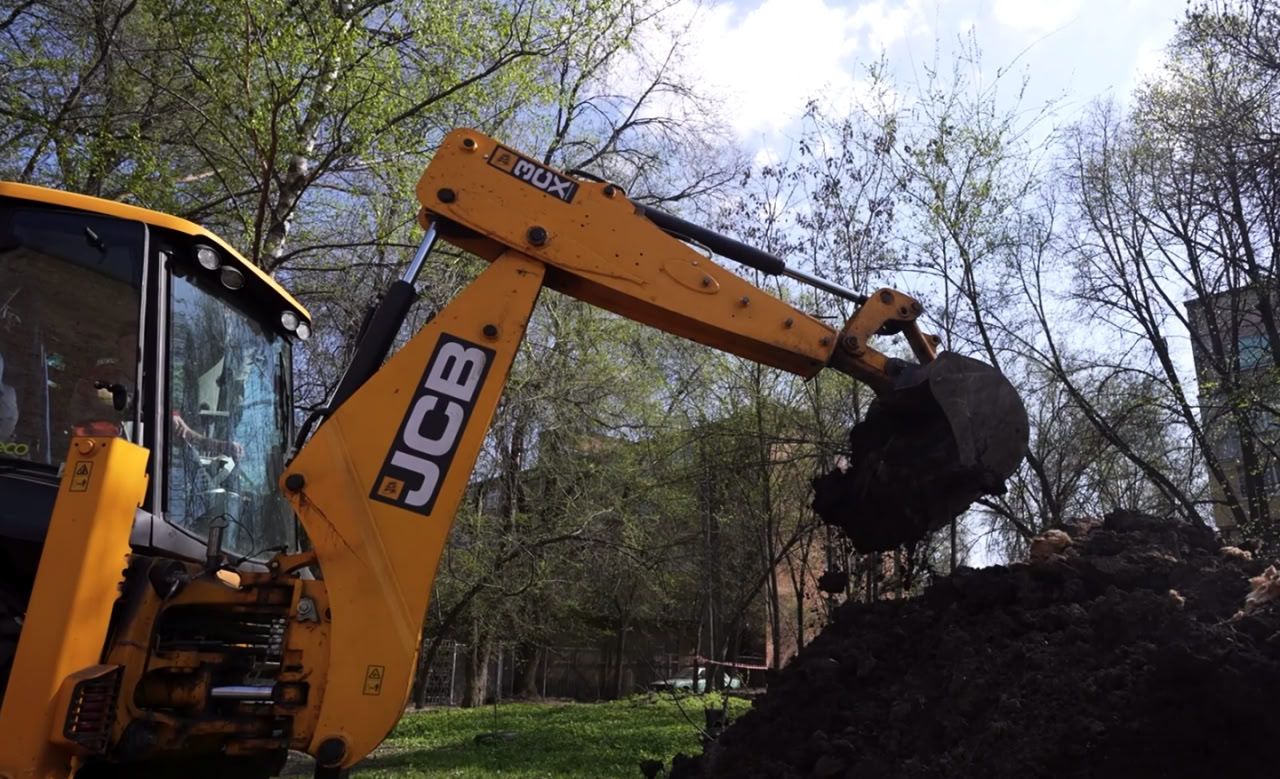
(477,669)
(735,652)
(770,534)
(528,657)
(799,582)
(620,660)
(420,673)
(697,651)
(799,573)
(772,606)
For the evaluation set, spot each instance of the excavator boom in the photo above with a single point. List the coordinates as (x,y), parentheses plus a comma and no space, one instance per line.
(943,432)
(378,484)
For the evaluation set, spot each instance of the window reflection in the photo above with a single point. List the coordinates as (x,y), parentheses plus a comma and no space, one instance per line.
(69,298)
(228,390)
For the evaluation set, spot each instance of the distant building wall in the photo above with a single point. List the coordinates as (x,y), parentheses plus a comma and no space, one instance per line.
(803,565)
(1228,329)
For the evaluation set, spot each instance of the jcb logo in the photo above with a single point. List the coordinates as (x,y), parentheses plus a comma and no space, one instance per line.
(533,174)
(419,459)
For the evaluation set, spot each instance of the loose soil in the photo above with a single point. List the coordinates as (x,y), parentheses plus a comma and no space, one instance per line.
(901,480)
(1081,665)
(953,431)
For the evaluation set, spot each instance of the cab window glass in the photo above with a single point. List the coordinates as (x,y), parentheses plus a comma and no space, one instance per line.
(229,406)
(69,301)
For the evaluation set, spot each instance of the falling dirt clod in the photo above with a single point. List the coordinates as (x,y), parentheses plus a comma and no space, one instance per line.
(1113,656)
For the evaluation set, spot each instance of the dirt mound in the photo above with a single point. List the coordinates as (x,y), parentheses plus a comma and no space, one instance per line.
(1117,656)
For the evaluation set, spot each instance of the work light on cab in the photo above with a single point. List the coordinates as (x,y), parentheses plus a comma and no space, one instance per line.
(208,257)
(231,277)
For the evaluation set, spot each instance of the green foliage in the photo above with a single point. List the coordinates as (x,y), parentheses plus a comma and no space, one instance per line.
(592,741)
(637,489)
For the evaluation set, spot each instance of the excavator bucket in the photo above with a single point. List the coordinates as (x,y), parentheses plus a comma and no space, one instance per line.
(950,432)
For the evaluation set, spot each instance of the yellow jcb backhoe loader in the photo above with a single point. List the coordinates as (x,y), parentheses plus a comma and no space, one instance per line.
(161,611)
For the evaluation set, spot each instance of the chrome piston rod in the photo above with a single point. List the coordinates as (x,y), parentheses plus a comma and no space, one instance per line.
(242,692)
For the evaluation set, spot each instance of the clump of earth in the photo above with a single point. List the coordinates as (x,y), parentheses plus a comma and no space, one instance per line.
(1125,649)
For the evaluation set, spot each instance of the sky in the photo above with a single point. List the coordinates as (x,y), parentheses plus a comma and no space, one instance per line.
(765,58)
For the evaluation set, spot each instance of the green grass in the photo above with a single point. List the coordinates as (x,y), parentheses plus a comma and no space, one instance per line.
(554,739)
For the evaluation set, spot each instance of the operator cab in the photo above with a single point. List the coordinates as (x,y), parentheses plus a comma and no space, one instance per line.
(118,321)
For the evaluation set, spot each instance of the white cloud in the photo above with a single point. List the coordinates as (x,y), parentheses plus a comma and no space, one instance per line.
(886,25)
(767,63)
(1034,15)
(1147,61)
(765,155)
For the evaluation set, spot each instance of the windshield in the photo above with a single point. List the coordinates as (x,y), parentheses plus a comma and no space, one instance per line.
(229,407)
(69,299)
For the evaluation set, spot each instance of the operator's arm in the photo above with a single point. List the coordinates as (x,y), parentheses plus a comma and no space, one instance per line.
(8,411)
(189,434)
(8,406)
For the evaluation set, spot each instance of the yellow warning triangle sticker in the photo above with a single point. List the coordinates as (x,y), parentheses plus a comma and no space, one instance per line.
(375,673)
(82,469)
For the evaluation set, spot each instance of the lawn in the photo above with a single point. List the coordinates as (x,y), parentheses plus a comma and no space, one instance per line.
(592,740)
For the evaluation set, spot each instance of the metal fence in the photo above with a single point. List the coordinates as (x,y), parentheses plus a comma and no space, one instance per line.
(578,673)
(585,673)
(441,685)
(447,676)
